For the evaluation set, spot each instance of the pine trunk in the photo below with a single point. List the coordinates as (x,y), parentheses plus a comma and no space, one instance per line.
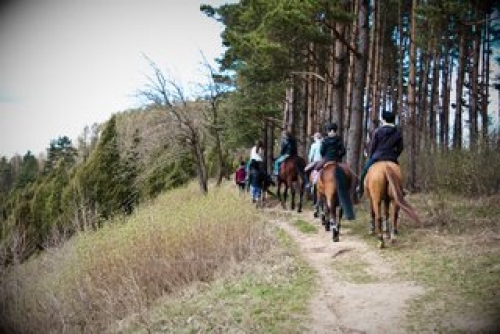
(355,129)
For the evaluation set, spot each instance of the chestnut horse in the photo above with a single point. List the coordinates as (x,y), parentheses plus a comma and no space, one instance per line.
(332,191)
(384,183)
(291,176)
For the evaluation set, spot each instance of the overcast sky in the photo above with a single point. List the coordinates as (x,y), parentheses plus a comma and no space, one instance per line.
(65,64)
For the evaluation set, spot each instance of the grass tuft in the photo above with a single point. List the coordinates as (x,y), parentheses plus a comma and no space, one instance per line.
(304,226)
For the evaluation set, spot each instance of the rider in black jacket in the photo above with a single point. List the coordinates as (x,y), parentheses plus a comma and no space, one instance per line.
(386,145)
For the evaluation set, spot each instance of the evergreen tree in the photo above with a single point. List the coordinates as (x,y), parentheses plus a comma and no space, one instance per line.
(28,171)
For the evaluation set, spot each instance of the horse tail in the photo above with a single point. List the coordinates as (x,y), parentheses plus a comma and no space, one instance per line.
(343,194)
(397,191)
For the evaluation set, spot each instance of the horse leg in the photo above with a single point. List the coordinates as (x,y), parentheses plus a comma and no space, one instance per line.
(320,205)
(341,212)
(333,222)
(386,226)
(327,210)
(292,191)
(278,191)
(332,210)
(376,204)
(285,195)
(395,216)
(372,221)
(301,198)
(316,209)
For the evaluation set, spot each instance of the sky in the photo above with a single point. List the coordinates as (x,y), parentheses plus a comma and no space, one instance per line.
(65,64)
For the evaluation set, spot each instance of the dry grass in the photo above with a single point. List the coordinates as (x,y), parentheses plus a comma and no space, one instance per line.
(101,277)
(264,295)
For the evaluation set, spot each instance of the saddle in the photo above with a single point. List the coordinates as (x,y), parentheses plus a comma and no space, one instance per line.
(319,173)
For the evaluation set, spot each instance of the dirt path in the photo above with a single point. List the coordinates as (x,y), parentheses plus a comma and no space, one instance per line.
(375,304)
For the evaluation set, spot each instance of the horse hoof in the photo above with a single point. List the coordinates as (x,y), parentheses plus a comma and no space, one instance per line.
(336,237)
(381,244)
(316,215)
(299,210)
(327,227)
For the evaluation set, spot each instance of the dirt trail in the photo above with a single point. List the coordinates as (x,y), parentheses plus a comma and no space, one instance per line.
(340,305)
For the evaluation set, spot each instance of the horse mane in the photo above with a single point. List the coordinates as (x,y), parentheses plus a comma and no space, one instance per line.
(397,191)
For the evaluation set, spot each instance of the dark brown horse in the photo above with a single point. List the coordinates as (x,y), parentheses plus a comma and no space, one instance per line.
(383,183)
(291,176)
(332,192)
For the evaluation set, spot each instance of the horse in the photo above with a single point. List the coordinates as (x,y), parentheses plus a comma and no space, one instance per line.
(289,175)
(384,183)
(333,188)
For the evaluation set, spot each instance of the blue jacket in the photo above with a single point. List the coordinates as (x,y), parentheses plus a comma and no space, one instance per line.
(387,144)
(314,151)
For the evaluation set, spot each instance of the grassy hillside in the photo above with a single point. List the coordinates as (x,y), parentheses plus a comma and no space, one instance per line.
(130,272)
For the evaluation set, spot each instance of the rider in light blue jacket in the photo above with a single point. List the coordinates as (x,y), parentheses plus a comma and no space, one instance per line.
(314,151)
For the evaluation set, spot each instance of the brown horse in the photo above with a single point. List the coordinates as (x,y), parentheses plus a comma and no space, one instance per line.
(290,176)
(384,183)
(333,189)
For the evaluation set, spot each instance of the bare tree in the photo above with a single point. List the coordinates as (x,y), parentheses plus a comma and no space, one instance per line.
(164,93)
(213,93)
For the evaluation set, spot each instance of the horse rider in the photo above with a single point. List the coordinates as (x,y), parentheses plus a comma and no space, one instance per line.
(256,154)
(332,148)
(314,153)
(386,145)
(288,149)
(256,179)
(314,150)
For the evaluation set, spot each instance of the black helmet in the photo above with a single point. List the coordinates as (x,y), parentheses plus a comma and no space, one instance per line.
(331,127)
(389,117)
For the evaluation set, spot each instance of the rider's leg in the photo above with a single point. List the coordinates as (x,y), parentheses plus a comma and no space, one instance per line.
(361,184)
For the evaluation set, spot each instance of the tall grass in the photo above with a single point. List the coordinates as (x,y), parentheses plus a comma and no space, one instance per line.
(464,172)
(100,277)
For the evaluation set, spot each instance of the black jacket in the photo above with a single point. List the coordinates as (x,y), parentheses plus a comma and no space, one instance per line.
(387,144)
(332,148)
(289,146)
(256,178)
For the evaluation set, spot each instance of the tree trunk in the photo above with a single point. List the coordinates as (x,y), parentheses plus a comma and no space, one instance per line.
(457,128)
(220,158)
(339,89)
(445,91)
(423,125)
(434,104)
(398,108)
(356,126)
(412,158)
(474,96)
(201,167)
(486,79)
